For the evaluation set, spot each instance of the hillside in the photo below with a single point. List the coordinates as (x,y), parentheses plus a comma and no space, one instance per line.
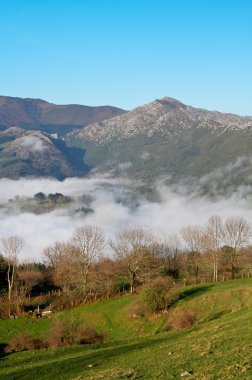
(34,153)
(41,115)
(166,137)
(218,346)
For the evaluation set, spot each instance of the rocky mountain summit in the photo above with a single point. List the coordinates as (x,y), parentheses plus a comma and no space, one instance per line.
(163,117)
(168,138)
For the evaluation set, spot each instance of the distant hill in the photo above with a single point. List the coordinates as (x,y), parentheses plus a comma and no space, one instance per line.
(35,153)
(41,115)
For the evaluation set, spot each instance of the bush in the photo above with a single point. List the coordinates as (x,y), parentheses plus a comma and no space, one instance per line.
(25,341)
(90,336)
(66,333)
(7,308)
(137,309)
(66,300)
(156,294)
(155,297)
(181,320)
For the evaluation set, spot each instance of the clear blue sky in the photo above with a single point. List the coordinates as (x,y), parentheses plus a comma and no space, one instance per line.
(128,52)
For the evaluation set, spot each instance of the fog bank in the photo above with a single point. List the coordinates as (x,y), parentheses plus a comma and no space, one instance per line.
(115,205)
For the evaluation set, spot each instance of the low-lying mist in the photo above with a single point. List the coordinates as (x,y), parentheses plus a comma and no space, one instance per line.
(113,204)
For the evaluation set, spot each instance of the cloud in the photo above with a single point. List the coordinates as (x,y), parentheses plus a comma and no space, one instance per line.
(125,166)
(33,143)
(145,155)
(116,205)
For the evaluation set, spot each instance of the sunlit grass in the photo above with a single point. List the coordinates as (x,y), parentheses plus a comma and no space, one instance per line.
(218,346)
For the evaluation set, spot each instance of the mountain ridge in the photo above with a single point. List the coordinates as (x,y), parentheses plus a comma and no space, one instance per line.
(168,138)
(31,113)
(163,138)
(163,116)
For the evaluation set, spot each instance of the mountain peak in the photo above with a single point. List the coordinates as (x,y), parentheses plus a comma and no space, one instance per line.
(170,102)
(161,117)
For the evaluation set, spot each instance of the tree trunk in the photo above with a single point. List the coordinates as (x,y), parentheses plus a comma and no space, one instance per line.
(233,264)
(131,288)
(215,271)
(132,282)
(197,275)
(9,282)
(85,282)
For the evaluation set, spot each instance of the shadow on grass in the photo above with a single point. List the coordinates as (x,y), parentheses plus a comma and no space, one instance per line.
(68,367)
(195,291)
(218,315)
(2,352)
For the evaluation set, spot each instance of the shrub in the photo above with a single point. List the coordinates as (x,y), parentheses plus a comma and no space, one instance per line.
(181,320)
(25,341)
(7,308)
(156,294)
(66,301)
(89,336)
(137,309)
(67,332)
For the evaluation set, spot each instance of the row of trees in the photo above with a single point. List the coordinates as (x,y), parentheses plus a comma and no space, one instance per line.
(84,265)
(212,238)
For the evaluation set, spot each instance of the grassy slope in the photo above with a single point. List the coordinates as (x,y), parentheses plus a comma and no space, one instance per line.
(219,346)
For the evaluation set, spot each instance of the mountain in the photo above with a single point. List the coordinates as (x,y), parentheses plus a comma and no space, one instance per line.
(164,117)
(162,139)
(40,115)
(35,153)
(167,137)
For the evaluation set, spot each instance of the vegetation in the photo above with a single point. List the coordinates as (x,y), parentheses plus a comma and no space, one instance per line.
(191,153)
(77,271)
(40,203)
(142,349)
(152,300)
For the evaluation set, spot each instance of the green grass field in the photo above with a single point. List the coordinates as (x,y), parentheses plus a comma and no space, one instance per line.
(218,346)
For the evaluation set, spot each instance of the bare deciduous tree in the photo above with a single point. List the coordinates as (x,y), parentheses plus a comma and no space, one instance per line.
(236,233)
(103,278)
(10,249)
(194,237)
(66,272)
(169,252)
(27,280)
(90,243)
(54,253)
(132,247)
(213,241)
(62,259)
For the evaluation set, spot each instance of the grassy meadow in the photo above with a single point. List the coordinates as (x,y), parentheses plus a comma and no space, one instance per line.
(217,346)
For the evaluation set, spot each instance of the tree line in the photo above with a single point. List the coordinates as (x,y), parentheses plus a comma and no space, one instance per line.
(89,266)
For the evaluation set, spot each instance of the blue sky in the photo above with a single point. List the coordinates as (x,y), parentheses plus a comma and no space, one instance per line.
(128,52)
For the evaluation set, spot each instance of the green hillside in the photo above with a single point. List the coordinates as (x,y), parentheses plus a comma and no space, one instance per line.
(218,346)
(191,153)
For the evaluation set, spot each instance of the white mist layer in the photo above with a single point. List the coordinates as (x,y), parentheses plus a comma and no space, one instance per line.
(111,213)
